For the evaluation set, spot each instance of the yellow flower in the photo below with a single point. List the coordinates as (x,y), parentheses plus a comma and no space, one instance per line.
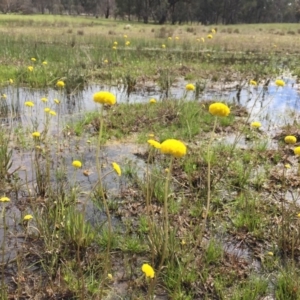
(117,168)
(297,151)
(29,103)
(253,82)
(169,38)
(198,40)
(52,112)
(287,166)
(183,242)
(11,81)
(4,199)
(33,59)
(270,253)
(105,61)
(110,277)
(298,215)
(151,135)
(213,31)
(280,82)
(163,46)
(30,68)
(176,38)
(209,36)
(174,147)
(27,218)
(219,109)
(125,36)
(56,101)
(60,84)
(44,63)
(47,109)
(190,87)
(202,39)
(148,270)
(152,101)
(36,134)
(104,98)
(114,48)
(255,124)
(115,43)
(290,139)
(76,164)
(127,43)
(44,99)
(4,96)
(154,143)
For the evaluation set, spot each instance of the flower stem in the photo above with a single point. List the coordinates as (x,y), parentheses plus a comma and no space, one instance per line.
(101,190)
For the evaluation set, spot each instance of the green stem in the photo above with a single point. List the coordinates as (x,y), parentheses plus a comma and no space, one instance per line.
(107,257)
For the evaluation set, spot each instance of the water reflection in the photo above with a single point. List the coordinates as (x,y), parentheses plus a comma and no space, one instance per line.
(266,103)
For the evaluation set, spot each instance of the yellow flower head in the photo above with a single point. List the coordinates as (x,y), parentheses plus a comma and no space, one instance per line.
(47,109)
(280,82)
(169,38)
(202,39)
(104,98)
(253,82)
(44,63)
(148,270)
(114,48)
(154,143)
(163,46)
(27,218)
(105,61)
(56,101)
(4,199)
(219,109)
(174,147)
(213,31)
(110,277)
(209,36)
(297,151)
(152,101)
(30,68)
(270,253)
(290,139)
(52,113)
(76,164)
(255,124)
(60,84)
(176,38)
(36,134)
(287,166)
(127,43)
(117,168)
(115,43)
(44,99)
(11,81)
(151,135)
(298,215)
(190,87)
(125,36)
(29,103)
(33,59)
(3,96)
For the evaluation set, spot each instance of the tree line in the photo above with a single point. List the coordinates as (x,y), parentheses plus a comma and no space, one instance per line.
(162,11)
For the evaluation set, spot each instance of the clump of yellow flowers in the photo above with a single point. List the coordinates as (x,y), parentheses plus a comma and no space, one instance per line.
(219,109)
(104,98)
(290,139)
(148,270)
(173,147)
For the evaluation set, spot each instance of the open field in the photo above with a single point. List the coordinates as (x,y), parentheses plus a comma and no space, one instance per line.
(168,197)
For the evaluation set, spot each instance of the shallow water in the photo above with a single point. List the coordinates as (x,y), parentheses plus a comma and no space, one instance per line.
(272,105)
